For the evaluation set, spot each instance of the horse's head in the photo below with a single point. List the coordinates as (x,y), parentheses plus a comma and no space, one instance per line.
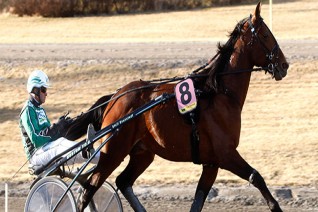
(264,47)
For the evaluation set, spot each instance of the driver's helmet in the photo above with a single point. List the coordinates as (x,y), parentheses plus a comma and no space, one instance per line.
(37,79)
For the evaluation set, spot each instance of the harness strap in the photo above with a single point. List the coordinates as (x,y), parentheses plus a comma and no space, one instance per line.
(195,140)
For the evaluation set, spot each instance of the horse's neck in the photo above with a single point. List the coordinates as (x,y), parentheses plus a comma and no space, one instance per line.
(237,84)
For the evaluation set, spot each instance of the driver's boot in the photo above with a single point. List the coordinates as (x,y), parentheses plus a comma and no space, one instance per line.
(87,152)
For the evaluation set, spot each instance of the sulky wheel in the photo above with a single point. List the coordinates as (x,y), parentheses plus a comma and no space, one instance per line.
(46,192)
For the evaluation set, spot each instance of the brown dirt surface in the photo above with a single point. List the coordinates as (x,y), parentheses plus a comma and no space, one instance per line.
(279,130)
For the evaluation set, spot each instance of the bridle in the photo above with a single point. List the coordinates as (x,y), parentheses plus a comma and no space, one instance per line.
(271,54)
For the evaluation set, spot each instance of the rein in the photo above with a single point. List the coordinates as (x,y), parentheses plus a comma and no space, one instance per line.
(244,70)
(173,79)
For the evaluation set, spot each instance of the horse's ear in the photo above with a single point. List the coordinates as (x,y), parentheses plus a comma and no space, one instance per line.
(257,12)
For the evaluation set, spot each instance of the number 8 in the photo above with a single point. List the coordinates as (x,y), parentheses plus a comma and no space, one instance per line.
(185,93)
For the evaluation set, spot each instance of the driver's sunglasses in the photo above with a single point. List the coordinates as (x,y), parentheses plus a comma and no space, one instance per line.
(43,89)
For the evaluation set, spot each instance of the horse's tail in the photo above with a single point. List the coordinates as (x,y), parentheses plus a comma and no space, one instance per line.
(94,115)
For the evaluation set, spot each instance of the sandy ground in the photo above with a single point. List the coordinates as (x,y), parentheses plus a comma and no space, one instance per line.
(279,130)
(279,135)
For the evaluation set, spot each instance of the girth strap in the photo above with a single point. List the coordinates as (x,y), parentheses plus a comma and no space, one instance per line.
(195,140)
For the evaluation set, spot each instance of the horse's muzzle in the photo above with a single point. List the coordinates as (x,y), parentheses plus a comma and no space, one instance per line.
(281,71)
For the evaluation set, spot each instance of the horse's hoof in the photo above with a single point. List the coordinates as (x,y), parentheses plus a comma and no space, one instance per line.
(275,208)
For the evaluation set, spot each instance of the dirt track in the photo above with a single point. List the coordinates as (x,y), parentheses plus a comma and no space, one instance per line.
(149,56)
(153,53)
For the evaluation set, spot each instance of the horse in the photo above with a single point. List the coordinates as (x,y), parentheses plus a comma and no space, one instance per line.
(165,132)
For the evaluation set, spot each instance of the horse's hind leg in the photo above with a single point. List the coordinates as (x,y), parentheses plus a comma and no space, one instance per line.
(140,159)
(107,163)
(206,181)
(237,165)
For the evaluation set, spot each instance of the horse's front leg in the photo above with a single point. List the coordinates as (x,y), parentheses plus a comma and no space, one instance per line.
(237,165)
(257,180)
(206,181)
(140,159)
(89,190)
(106,165)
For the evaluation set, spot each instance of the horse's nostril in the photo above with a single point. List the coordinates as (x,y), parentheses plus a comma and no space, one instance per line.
(285,66)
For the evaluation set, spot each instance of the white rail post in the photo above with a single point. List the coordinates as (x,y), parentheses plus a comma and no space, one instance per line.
(271,15)
(6,197)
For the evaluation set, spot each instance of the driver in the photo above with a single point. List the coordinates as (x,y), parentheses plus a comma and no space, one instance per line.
(42,140)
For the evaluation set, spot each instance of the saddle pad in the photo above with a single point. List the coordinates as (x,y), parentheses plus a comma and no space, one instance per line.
(185,96)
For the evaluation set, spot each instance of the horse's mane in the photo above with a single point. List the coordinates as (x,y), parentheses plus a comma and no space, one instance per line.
(219,62)
(94,115)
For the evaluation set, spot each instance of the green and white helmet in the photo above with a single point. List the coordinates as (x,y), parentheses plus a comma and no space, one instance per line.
(37,79)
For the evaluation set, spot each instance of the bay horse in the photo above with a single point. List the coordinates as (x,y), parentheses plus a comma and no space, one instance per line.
(163,131)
